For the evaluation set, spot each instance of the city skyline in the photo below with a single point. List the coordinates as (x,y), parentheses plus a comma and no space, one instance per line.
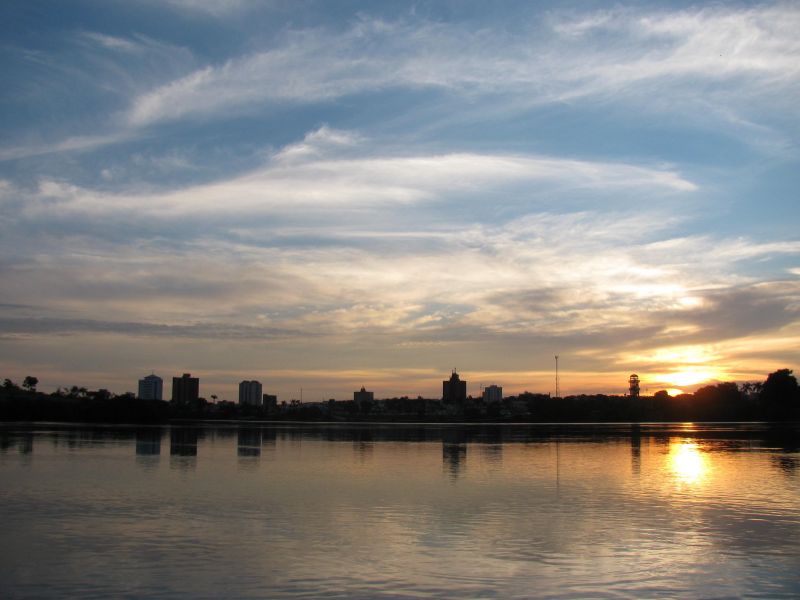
(368,193)
(251,391)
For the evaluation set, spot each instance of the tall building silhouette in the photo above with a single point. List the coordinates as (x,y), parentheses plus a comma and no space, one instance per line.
(493,393)
(269,401)
(454,390)
(151,388)
(185,389)
(363,396)
(363,399)
(250,392)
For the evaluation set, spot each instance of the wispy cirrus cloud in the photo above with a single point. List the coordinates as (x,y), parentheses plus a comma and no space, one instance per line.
(307,175)
(85,69)
(622,53)
(71,144)
(722,62)
(12,327)
(213,8)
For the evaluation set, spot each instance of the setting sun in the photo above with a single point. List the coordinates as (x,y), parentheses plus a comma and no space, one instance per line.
(689,376)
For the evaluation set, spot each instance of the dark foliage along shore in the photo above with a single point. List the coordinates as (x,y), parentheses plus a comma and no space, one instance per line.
(776,399)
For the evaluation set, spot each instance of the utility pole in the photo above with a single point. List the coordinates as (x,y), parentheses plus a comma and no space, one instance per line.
(558,390)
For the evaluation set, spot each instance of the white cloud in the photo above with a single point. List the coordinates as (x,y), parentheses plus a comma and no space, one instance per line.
(482,284)
(215,8)
(316,143)
(72,144)
(112,42)
(90,65)
(307,175)
(754,50)
(736,66)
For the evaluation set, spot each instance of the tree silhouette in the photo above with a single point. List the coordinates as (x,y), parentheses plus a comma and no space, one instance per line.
(30,383)
(781,394)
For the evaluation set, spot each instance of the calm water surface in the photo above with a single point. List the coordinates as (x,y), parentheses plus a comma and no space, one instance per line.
(284,511)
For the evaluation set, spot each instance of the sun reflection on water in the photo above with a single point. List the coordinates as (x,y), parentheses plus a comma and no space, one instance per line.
(688,463)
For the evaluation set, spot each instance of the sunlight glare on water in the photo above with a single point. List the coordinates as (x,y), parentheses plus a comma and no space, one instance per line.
(689,464)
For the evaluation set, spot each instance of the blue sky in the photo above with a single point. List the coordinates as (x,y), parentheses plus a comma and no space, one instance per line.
(337,194)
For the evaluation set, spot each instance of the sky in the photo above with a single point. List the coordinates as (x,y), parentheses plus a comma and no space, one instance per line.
(325,195)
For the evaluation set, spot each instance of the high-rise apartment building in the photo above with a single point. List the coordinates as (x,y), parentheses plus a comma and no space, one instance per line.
(151,388)
(250,392)
(185,389)
(492,393)
(270,401)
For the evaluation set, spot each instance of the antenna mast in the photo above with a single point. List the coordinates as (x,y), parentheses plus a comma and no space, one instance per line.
(558,390)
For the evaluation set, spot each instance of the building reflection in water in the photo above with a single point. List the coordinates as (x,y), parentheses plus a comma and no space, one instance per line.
(454,451)
(148,447)
(22,441)
(183,441)
(248,443)
(148,442)
(363,444)
(636,450)
(183,447)
(492,454)
(25,443)
(788,465)
(453,457)
(269,443)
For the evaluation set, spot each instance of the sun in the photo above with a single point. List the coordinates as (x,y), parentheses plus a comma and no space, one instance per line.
(684,366)
(689,376)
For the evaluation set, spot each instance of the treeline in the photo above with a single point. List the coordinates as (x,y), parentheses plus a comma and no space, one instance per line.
(720,402)
(77,405)
(775,399)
